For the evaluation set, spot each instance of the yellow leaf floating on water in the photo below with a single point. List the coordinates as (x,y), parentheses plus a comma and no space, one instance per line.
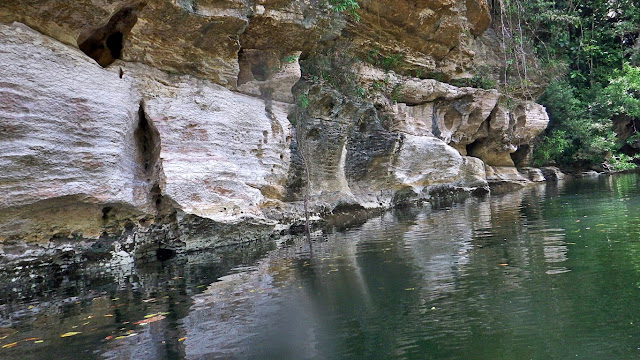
(182,338)
(503,264)
(38,341)
(13,344)
(71,333)
(410,289)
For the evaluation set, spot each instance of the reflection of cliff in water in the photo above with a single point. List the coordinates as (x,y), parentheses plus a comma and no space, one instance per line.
(367,273)
(103,304)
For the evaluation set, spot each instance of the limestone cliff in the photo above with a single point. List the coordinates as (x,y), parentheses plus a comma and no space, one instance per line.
(132,126)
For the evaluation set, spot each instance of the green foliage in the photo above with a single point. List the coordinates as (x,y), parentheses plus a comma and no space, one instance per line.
(303,101)
(577,136)
(622,95)
(334,67)
(387,62)
(621,162)
(477,81)
(290,59)
(593,43)
(551,148)
(345,6)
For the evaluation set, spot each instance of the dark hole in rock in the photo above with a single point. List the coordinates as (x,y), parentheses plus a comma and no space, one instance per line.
(147,140)
(106,43)
(259,72)
(521,156)
(165,254)
(128,226)
(105,212)
(471,148)
(114,44)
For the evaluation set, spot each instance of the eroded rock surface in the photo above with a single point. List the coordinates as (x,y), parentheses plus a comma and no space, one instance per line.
(133,127)
(223,154)
(67,132)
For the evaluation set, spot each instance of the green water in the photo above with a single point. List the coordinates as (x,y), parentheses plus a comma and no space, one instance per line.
(549,272)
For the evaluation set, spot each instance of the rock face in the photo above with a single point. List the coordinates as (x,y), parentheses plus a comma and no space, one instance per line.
(69,133)
(130,125)
(88,151)
(432,36)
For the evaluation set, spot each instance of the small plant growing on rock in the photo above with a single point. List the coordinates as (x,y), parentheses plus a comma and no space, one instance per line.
(303,101)
(345,6)
(290,59)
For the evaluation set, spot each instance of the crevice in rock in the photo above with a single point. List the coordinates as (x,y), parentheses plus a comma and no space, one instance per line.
(148,143)
(147,140)
(106,43)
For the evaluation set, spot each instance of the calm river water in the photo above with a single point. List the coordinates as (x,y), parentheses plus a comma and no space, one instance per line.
(549,272)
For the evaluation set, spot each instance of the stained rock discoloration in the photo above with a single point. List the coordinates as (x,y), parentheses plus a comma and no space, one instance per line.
(136,129)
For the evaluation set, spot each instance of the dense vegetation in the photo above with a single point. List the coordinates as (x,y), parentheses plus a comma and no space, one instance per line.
(591,50)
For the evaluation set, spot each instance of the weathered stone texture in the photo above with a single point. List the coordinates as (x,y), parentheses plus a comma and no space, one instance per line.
(223,153)
(168,123)
(432,35)
(67,129)
(96,148)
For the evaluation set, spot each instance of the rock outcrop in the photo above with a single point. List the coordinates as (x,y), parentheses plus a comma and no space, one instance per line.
(135,125)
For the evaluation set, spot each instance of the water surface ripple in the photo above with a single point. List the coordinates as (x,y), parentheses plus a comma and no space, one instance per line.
(549,272)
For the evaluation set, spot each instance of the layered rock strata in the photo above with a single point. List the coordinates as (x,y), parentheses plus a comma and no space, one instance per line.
(132,127)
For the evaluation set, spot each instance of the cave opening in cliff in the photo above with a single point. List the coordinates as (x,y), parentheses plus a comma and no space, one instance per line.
(471,148)
(105,44)
(521,156)
(163,254)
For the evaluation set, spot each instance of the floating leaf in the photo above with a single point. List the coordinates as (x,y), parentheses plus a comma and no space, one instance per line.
(38,341)
(182,338)
(150,315)
(149,320)
(503,264)
(32,339)
(71,333)
(13,344)
(409,289)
